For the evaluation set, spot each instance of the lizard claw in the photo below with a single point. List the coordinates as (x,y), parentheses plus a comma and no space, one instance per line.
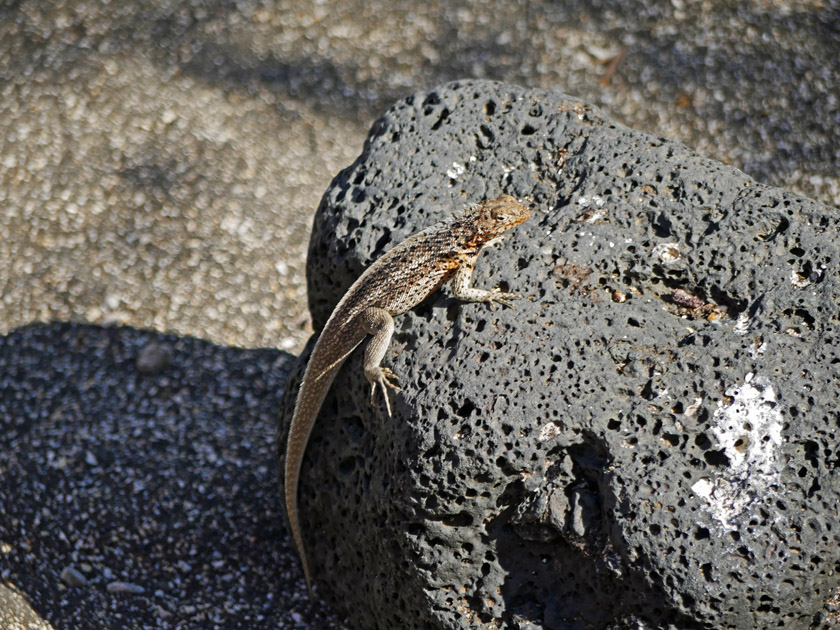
(502,297)
(382,380)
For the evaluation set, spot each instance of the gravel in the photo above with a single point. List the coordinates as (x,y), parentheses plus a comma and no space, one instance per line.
(153,497)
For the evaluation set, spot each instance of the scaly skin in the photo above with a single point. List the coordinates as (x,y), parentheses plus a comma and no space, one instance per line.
(392,285)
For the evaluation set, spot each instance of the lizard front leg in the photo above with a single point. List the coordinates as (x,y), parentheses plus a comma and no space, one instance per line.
(379,323)
(463,290)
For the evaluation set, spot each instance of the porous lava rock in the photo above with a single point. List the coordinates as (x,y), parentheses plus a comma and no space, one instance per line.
(649,439)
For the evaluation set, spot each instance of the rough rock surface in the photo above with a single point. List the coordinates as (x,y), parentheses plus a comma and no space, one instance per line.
(648,439)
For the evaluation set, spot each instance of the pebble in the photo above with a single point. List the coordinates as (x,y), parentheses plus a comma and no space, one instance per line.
(125,587)
(153,359)
(73,577)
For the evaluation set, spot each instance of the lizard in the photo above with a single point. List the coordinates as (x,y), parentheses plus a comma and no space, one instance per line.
(396,282)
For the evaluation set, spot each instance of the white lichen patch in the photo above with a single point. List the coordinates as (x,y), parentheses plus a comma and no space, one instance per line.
(748,430)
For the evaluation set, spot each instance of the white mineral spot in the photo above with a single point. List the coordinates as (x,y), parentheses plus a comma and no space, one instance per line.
(749,432)
(703,487)
(693,408)
(798,280)
(742,324)
(549,431)
(667,252)
(758,350)
(456,170)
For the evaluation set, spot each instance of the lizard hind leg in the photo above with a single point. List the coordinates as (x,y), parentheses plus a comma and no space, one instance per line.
(379,323)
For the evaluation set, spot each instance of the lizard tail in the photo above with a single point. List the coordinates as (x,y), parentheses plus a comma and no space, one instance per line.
(311,396)
(291,483)
(301,427)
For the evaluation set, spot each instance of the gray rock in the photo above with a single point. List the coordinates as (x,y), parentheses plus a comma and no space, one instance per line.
(71,576)
(651,435)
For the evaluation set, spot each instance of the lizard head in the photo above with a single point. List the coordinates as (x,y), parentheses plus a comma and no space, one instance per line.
(494,217)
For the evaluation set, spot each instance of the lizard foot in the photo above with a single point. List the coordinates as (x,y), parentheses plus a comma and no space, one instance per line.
(381,378)
(502,297)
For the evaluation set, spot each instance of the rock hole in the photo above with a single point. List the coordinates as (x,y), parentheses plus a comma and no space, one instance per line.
(359,195)
(671,438)
(443,116)
(702,440)
(461,519)
(431,100)
(716,458)
(347,465)
(466,409)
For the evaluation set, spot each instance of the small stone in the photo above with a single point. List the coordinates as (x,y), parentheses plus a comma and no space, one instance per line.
(153,358)
(125,587)
(73,577)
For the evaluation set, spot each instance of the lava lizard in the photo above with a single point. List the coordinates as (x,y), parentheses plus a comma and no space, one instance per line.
(392,285)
